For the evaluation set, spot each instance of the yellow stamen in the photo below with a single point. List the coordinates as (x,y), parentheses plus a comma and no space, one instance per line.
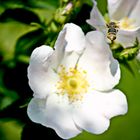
(73,83)
(127,23)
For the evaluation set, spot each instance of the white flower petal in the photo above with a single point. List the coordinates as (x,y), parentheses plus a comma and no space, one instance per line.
(54,114)
(37,110)
(126,38)
(119,9)
(70,60)
(87,115)
(115,104)
(96,19)
(74,37)
(40,75)
(102,69)
(97,108)
(69,45)
(134,15)
(70,39)
(59,117)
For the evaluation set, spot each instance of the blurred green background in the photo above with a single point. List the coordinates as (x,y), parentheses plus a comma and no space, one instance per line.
(27,24)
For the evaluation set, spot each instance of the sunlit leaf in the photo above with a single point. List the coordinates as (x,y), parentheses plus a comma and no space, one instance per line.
(129,68)
(11,3)
(10,130)
(48,4)
(43,8)
(9,33)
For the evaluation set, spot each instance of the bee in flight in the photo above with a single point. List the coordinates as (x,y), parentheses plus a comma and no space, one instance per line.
(112,30)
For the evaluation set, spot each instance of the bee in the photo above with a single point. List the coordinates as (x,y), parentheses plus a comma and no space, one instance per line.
(112,30)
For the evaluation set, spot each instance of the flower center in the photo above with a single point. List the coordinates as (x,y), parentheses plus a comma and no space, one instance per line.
(127,23)
(73,83)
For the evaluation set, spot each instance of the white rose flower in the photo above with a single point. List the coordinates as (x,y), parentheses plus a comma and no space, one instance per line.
(126,14)
(73,84)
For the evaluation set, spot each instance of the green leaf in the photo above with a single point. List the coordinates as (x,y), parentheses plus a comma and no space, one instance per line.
(10,130)
(5,4)
(9,33)
(43,8)
(129,67)
(6,101)
(19,14)
(102,5)
(49,4)
(29,3)
(26,43)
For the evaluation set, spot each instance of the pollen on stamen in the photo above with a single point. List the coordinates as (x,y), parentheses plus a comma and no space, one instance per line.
(127,23)
(72,82)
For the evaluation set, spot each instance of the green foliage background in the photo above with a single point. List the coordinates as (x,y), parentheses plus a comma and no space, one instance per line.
(27,24)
